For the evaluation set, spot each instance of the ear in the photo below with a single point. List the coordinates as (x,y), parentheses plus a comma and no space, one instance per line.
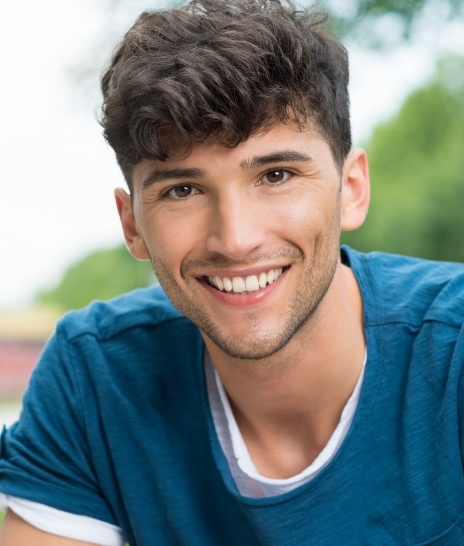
(355,190)
(133,238)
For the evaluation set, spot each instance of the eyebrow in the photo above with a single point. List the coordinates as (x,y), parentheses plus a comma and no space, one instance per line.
(171,174)
(276,157)
(161,175)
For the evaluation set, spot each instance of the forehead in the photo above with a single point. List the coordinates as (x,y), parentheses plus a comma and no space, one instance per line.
(210,157)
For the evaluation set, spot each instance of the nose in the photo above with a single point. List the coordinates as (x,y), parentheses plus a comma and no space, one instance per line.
(237,225)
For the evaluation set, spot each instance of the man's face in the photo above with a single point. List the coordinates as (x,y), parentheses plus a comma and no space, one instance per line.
(244,240)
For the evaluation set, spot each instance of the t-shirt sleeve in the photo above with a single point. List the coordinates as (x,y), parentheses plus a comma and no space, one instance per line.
(46,456)
(57,522)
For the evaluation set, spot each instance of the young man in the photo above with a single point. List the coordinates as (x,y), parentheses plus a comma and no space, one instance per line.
(275,389)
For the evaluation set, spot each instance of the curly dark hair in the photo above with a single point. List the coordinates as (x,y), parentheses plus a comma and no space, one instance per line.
(223,69)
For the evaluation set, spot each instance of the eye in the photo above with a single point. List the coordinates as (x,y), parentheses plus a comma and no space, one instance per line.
(276,176)
(181,192)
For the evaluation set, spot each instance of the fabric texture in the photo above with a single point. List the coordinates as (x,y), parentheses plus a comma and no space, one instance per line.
(63,524)
(116,426)
(83,528)
(248,480)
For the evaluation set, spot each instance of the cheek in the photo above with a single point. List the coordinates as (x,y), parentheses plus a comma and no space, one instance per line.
(308,213)
(170,239)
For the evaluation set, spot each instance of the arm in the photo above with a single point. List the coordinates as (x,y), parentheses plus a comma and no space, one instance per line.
(46,468)
(16,532)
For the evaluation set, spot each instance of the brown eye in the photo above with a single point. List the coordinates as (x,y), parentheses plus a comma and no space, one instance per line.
(276,176)
(181,192)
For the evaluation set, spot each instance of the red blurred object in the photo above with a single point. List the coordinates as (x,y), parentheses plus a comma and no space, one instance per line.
(17,360)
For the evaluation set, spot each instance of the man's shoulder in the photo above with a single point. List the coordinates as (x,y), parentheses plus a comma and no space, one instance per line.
(145,308)
(407,288)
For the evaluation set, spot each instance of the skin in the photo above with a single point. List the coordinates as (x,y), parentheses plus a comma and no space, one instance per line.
(16,532)
(276,200)
(289,355)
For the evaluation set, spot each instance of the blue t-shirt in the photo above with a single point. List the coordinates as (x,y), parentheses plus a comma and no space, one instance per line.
(116,426)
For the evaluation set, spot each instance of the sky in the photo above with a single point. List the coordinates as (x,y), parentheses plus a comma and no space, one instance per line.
(57,174)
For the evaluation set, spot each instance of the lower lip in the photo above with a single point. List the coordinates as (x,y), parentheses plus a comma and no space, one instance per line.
(244,300)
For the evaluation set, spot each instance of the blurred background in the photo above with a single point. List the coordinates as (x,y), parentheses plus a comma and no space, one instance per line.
(60,240)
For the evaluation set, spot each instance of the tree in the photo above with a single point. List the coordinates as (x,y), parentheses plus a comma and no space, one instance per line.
(417,173)
(356,17)
(369,23)
(381,22)
(103,274)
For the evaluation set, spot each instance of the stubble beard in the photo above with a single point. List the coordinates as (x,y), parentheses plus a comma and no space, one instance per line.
(257,344)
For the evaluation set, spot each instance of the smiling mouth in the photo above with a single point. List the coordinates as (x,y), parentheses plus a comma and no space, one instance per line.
(245,285)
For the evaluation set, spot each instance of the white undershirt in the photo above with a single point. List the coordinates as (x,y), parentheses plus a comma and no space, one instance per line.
(62,523)
(248,480)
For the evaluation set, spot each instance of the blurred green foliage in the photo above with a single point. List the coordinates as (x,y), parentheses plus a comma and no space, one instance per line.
(380,23)
(417,173)
(103,274)
(362,20)
(368,23)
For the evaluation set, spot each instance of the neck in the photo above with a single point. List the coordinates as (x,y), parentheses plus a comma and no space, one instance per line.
(288,405)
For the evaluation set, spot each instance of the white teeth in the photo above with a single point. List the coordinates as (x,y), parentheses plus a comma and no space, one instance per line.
(238,284)
(252,283)
(262,280)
